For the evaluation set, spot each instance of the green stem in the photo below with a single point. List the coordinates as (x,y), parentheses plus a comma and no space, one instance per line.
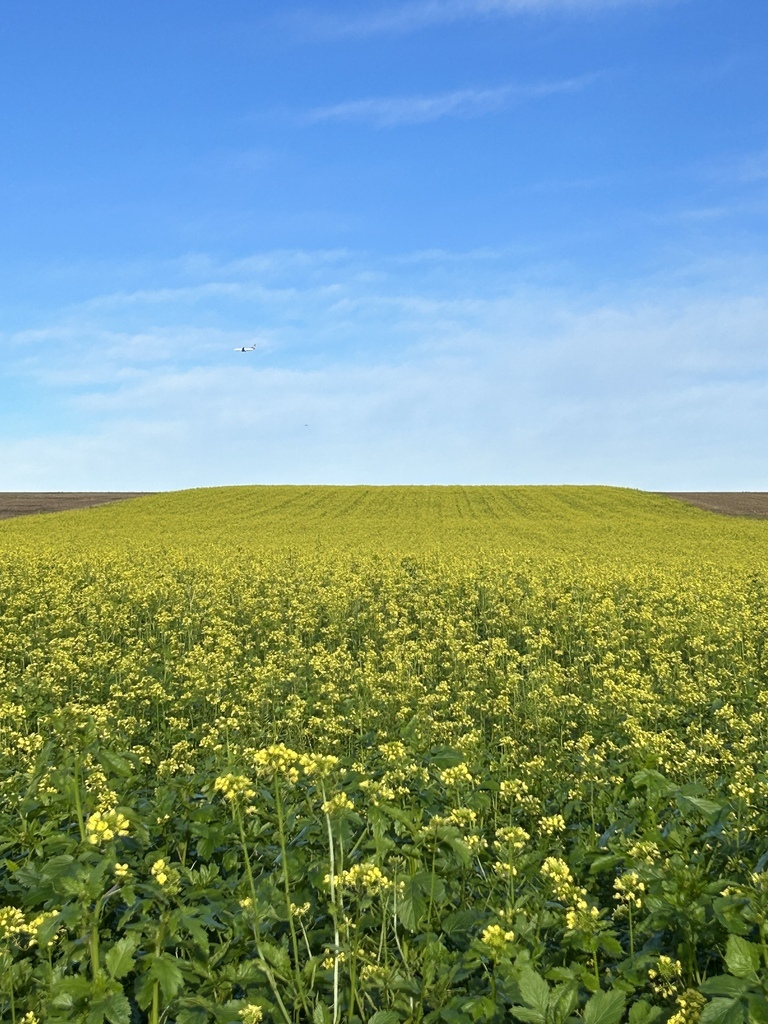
(631,933)
(287,889)
(255,904)
(78,802)
(332,876)
(95,967)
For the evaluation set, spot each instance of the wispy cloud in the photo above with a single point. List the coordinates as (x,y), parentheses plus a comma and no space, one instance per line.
(663,387)
(413,16)
(391,111)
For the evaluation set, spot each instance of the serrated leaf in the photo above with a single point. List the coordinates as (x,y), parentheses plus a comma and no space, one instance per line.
(277,957)
(119,959)
(742,957)
(611,945)
(321,1015)
(384,1017)
(563,1000)
(95,1014)
(165,971)
(642,1012)
(533,989)
(117,1009)
(527,1015)
(605,1007)
(724,985)
(57,866)
(722,1011)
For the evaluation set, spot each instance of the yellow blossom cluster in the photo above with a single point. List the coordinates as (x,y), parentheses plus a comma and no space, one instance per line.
(164,874)
(234,787)
(457,775)
(12,922)
(337,804)
(364,877)
(102,826)
(278,759)
(689,1007)
(497,938)
(552,825)
(630,890)
(666,978)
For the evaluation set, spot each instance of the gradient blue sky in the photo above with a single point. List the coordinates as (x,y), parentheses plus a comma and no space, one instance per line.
(473,241)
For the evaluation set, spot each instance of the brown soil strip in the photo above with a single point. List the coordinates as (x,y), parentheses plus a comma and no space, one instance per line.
(751,504)
(30,503)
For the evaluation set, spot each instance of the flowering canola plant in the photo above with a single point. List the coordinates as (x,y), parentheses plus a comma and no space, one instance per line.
(382,771)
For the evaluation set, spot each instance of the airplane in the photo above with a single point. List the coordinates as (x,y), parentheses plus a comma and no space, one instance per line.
(251,348)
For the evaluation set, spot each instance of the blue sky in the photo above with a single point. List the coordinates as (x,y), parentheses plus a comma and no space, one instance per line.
(473,241)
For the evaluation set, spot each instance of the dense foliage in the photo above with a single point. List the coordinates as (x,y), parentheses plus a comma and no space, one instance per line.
(379,783)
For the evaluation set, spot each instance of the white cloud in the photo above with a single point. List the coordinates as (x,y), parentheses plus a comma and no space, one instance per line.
(416,15)
(390,111)
(665,390)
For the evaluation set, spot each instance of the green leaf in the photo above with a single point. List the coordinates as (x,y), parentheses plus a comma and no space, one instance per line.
(119,959)
(115,763)
(605,1007)
(526,1015)
(117,1009)
(165,971)
(742,957)
(533,989)
(382,1017)
(562,1002)
(605,863)
(276,956)
(708,808)
(758,1008)
(58,866)
(656,784)
(96,1014)
(722,1011)
(410,910)
(321,1015)
(611,945)
(724,985)
(461,922)
(642,1012)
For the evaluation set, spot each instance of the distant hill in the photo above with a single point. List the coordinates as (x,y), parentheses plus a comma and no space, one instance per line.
(568,521)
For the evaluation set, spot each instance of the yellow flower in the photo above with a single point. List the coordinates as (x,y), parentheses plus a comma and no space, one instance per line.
(102,826)
(338,803)
(164,873)
(234,787)
(497,938)
(552,825)
(12,922)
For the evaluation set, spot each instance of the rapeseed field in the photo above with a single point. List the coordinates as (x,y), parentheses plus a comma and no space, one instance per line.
(381,755)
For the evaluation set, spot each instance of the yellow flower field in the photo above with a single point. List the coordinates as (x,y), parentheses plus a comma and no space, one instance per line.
(382,755)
